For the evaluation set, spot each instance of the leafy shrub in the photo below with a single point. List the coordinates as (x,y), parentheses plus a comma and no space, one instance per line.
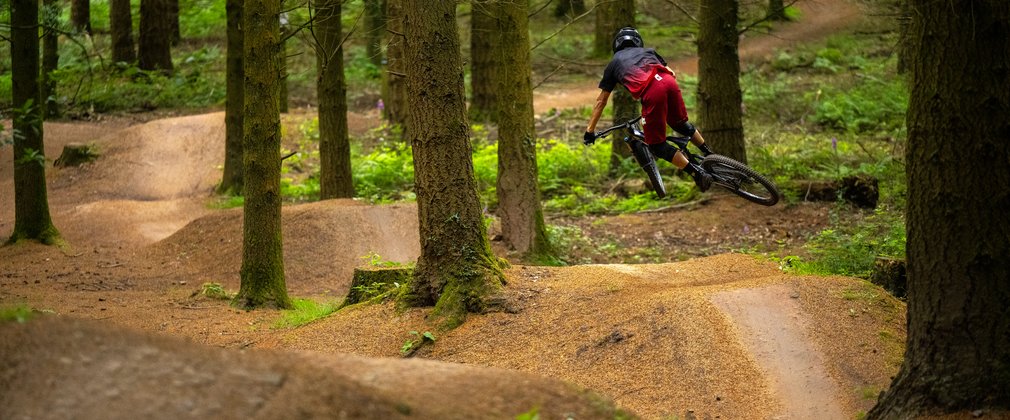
(851,250)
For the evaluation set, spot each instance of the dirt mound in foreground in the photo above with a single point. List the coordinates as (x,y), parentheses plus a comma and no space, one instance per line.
(660,340)
(63,368)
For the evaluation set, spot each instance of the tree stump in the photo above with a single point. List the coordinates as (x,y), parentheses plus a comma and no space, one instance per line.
(374,282)
(76,154)
(889,273)
(862,191)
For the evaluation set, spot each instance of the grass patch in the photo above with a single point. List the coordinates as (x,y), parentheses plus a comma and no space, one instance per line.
(304,312)
(19,313)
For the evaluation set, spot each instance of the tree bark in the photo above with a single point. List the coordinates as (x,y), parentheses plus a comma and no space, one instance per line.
(570,8)
(121,27)
(334,147)
(518,191)
(626,107)
(80,15)
(456,269)
(175,34)
(282,66)
(719,95)
(375,28)
(231,181)
(776,10)
(484,43)
(394,82)
(958,348)
(50,57)
(262,252)
(155,30)
(31,202)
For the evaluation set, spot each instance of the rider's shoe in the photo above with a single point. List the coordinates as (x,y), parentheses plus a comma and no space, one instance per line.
(701,178)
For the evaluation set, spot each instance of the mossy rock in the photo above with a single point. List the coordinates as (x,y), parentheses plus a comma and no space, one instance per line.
(375,282)
(76,154)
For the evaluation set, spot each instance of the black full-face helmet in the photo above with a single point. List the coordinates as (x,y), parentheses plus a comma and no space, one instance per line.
(627,37)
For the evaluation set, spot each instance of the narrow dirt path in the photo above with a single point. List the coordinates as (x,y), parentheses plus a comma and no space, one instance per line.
(773,329)
(819,18)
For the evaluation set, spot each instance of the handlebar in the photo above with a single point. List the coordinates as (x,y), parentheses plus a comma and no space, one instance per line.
(604,133)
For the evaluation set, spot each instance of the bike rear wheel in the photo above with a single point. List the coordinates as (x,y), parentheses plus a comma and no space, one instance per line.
(741,180)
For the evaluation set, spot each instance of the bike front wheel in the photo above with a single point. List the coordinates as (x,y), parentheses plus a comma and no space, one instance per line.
(741,180)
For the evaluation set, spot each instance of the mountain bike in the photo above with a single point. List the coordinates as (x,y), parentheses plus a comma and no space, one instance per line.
(734,176)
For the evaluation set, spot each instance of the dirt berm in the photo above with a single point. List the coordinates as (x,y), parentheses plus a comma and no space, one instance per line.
(60,368)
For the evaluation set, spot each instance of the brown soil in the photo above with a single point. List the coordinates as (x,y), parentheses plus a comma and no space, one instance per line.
(669,339)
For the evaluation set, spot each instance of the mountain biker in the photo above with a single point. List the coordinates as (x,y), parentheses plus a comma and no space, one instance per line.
(645,74)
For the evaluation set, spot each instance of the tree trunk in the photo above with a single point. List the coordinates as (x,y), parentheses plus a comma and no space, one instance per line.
(776,10)
(334,147)
(719,96)
(958,348)
(375,26)
(262,252)
(604,31)
(231,182)
(50,57)
(904,20)
(626,107)
(121,27)
(80,15)
(570,8)
(31,202)
(282,66)
(394,82)
(155,31)
(173,22)
(484,42)
(456,269)
(522,219)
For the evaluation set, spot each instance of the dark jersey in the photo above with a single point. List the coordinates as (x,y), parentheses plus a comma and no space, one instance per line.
(633,68)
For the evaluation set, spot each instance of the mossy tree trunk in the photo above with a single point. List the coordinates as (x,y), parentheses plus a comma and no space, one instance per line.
(282,65)
(621,13)
(375,29)
(456,270)
(231,181)
(719,95)
(334,146)
(31,202)
(50,56)
(484,43)
(518,191)
(80,15)
(957,357)
(155,52)
(394,82)
(121,27)
(262,252)
(611,15)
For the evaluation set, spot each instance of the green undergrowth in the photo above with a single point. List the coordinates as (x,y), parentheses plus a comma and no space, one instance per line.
(305,311)
(20,313)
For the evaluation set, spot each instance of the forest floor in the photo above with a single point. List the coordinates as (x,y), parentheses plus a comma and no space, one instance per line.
(723,336)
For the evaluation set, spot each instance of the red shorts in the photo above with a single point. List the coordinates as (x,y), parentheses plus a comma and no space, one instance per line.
(662,105)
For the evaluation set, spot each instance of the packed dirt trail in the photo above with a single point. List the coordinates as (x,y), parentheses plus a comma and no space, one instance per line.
(659,340)
(726,336)
(820,18)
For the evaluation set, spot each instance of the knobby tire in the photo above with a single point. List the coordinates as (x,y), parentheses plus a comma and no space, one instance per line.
(741,180)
